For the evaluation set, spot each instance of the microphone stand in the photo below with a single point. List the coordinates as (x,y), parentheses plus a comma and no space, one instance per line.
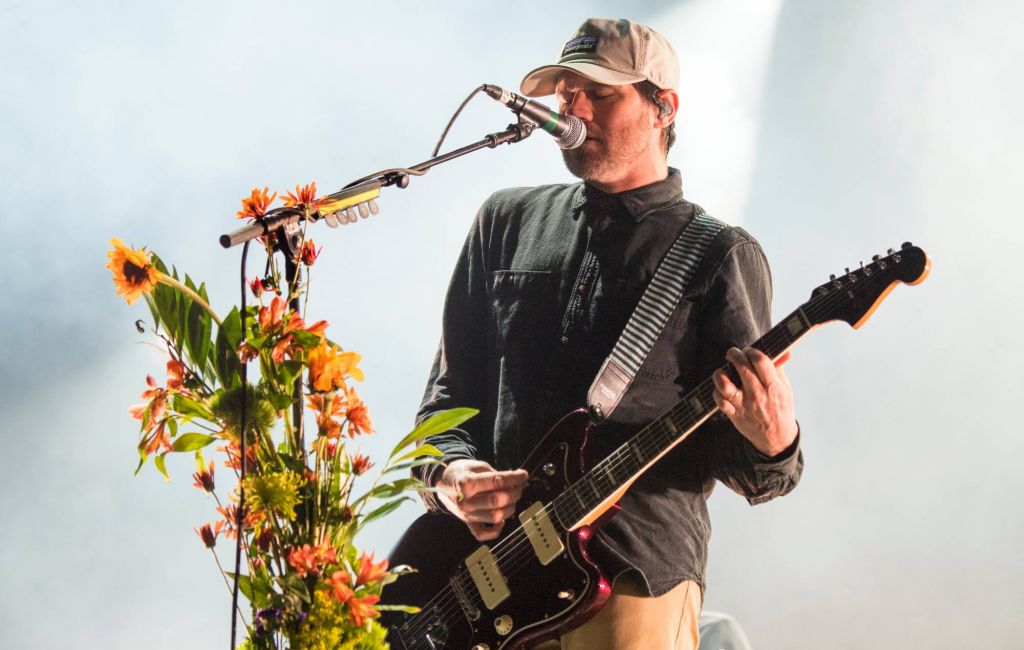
(283,225)
(366,189)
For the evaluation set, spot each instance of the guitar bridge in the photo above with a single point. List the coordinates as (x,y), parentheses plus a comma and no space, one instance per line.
(472,612)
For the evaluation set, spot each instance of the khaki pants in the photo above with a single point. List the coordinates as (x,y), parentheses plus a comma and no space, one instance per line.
(632,621)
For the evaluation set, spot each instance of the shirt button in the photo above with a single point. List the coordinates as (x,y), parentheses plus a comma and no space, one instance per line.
(582,289)
(565,340)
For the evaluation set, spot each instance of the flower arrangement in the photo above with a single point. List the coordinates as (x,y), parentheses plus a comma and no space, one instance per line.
(291,504)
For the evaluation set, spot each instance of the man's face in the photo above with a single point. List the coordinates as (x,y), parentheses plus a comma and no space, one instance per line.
(620,133)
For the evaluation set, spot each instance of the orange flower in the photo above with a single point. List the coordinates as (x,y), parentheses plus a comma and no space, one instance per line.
(338,582)
(204,478)
(176,377)
(370,572)
(360,609)
(328,367)
(157,440)
(303,196)
(256,204)
(309,252)
(208,534)
(327,407)
(233,451)
(272,316)
(256,286)
(358,415)
(134,274)
(360,464)
(247,352)
(308,559)
(295,323)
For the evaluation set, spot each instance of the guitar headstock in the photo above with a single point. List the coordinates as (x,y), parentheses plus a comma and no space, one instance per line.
(854,296)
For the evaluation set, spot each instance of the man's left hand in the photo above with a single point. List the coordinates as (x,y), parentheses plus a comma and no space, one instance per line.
(762,407)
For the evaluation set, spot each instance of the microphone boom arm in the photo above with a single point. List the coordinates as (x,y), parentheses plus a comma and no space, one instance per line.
(369,188)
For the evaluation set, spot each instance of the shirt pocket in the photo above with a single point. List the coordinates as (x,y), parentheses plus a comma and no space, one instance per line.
(523,303)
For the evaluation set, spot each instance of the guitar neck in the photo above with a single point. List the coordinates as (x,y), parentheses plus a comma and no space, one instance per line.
(593,493)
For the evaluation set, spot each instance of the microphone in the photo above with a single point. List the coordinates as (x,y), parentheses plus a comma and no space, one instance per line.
(569,130)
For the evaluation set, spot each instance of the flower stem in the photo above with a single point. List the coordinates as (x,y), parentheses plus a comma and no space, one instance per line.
(171,282)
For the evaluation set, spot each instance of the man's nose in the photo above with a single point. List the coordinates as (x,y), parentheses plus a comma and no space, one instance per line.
(579,106)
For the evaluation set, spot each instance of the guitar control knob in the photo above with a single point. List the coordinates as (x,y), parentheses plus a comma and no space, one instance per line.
(891,251)
(832,277)
(875,258)
(481,646)
(503,624)
(549,469)
(906,244)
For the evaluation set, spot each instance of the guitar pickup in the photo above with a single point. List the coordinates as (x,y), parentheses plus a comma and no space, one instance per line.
(491,585)
(547,545)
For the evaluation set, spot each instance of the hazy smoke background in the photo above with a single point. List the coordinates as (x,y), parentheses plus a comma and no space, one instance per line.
(831,130)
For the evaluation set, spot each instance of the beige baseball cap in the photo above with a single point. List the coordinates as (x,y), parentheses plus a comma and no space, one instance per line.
(613,52)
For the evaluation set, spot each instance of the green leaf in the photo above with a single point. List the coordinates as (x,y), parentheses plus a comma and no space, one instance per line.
(226,362)
(388,490)
(437,423)
(384,510)
(289,370)
(404,467)
(257,591)
(192,442)
(424,450)
(197,341)
(142,461)
(190,408)
(279,401)
(293,584)
(408,609)
(159,461)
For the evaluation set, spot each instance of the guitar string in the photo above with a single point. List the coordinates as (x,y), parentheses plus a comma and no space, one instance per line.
(652,434)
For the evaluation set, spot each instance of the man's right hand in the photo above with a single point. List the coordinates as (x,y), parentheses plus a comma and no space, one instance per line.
(480,495)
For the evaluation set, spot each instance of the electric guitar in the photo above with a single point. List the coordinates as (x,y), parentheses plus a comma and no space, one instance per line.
(537,581)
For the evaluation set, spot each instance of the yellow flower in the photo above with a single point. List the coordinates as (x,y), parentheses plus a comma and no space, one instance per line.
(276,493)
(134,274)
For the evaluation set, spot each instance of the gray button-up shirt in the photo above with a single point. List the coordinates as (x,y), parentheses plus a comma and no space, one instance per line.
(545,283)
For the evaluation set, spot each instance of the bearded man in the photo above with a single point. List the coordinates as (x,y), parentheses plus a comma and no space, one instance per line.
(545,283)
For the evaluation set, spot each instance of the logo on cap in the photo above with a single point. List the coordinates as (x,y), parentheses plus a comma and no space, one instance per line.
(583,44)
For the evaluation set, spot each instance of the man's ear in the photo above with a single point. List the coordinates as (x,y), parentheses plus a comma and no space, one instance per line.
(668,106)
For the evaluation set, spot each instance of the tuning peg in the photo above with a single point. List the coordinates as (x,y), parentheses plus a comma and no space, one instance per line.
(331,220)
(906,244)
(847,270)
(875,258)
(890,251)
(364,211)
(832,277)
(374,208)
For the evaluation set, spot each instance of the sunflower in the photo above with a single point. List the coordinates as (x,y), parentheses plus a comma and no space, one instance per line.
(134,273)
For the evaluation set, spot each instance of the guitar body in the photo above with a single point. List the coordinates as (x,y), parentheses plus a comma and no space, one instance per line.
(544,599)
(537,581)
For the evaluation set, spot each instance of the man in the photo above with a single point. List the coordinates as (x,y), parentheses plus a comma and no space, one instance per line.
(545,283)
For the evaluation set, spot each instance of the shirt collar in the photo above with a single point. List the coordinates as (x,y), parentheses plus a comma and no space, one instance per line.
(637,202)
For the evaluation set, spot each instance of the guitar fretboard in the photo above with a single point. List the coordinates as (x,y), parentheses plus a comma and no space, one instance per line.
(635,455)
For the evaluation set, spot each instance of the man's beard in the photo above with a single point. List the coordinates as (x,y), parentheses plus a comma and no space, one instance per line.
(594,162)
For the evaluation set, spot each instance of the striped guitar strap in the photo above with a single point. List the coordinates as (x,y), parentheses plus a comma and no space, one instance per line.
(650,315)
